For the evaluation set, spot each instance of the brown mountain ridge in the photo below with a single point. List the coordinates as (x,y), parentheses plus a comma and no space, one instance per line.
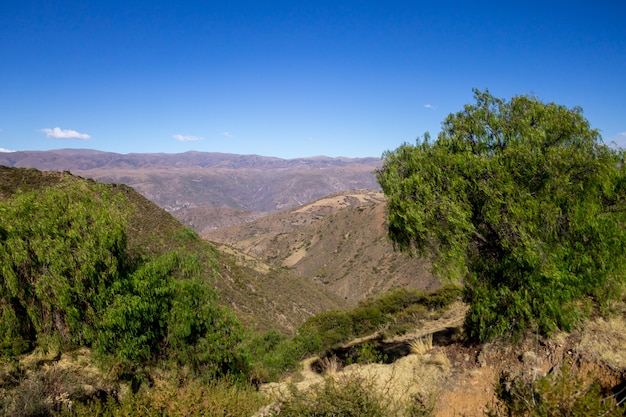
(207,179)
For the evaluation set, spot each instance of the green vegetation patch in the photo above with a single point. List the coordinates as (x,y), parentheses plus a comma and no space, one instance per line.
(69,279)
(393,312)
(562,393)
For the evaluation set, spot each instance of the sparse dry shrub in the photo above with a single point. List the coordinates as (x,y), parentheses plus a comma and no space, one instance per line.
(330,365)
(353,395)
(52,388)
(422,405)
(219,398)
(422,345)
(561,393)
(441,360)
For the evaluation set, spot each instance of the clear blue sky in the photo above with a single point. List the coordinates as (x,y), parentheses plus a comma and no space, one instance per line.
(293,78)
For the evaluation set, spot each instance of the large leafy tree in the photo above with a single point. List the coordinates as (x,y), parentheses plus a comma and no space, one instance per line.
(522,202)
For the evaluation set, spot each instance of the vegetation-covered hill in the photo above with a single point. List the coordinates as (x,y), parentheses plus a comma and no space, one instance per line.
(88,265)
(99,286)
(265,297)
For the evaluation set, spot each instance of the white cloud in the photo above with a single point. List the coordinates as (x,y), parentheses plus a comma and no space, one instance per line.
(228,135)
(58,133)
(429,106)
(186,138)
(3,150)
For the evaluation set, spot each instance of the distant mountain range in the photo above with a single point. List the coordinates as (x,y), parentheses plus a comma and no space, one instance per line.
(220,183)
(88,159)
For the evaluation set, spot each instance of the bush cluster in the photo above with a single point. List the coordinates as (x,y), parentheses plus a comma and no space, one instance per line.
(66,280)
(396,310)
(523,203)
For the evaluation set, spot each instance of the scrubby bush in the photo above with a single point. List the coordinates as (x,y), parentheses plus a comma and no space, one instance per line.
(272,354)
(48,390)
(366,319)
(332,327)
(195,398)
(397,311)
(355,395)
(398,300)
(61,251)
(67,280)
(394,300)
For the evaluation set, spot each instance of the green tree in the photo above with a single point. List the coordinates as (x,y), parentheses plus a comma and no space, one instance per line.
(523,203)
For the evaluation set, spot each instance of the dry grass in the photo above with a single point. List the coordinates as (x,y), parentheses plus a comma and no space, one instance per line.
(441,360)
(331,365)
(44,383)
(422,345)
(605,339)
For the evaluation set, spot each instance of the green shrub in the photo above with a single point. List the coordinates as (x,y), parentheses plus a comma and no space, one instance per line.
(368,353)
(155,315)
(442,297)
(272,354)
(61,251)
(523,203)
(203,335)
(332,327)
(67,279)
(408,319)
(394,300)
(366,319)
(134,324)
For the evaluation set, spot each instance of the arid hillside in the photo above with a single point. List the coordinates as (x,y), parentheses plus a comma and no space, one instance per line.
(439,374)
(339,240)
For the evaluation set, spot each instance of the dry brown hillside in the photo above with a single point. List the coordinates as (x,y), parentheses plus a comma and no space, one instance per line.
(265,297)
(339,240)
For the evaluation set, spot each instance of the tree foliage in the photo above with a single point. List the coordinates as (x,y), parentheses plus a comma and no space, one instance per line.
(60,253)
(67,279)
(522,202)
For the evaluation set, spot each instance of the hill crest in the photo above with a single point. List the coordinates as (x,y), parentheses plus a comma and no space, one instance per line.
(339,240)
